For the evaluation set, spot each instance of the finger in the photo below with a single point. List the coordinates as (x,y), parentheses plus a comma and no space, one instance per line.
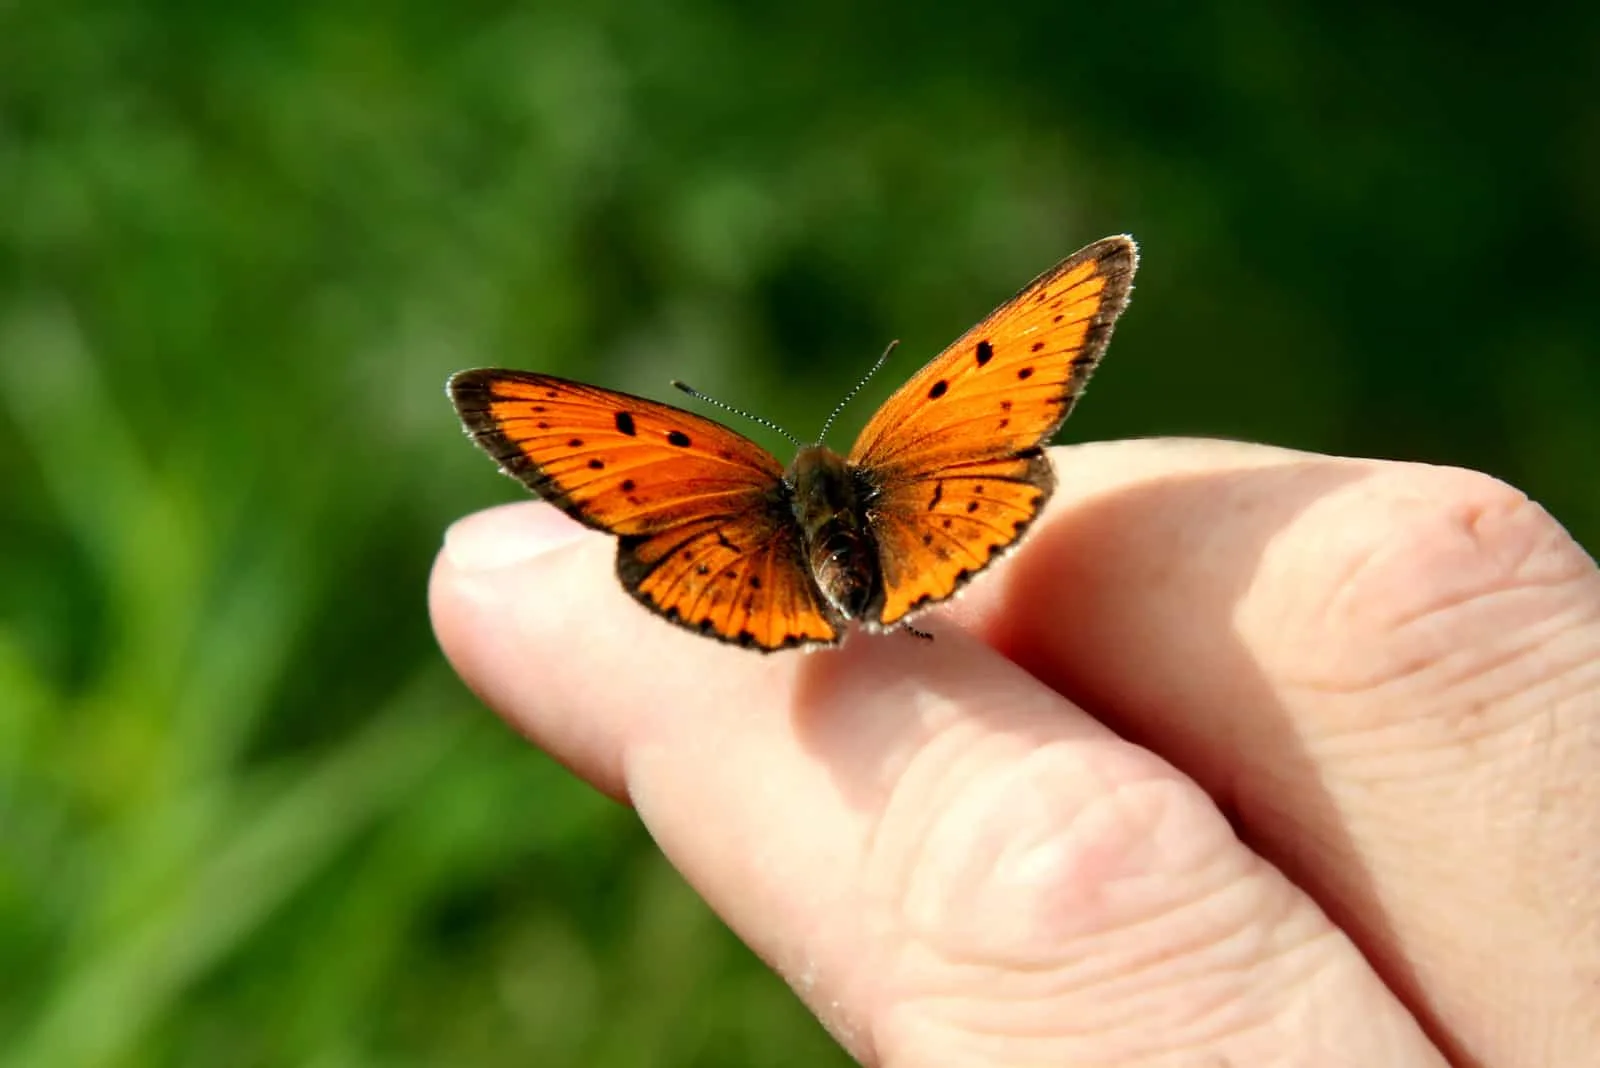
(1389,672)
(946,859)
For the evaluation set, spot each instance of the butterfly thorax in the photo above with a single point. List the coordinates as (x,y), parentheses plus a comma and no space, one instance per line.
(830,500)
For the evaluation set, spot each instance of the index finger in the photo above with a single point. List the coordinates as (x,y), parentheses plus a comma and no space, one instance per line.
(848,808)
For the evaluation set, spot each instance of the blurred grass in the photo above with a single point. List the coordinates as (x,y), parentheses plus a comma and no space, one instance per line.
(246,815)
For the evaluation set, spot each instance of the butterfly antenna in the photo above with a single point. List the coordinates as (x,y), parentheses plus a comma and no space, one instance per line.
(848,397)
(768,423)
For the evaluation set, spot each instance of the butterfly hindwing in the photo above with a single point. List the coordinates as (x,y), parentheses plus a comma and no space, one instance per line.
(698,508)
(741,579)
(956,453)
(935,534)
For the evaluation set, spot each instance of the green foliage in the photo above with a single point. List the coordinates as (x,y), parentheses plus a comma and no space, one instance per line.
(247,817)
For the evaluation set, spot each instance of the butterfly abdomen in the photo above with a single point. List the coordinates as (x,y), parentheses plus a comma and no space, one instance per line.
(840,549)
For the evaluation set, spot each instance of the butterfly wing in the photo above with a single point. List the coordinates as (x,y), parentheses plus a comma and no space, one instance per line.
(706,536)
(955,455)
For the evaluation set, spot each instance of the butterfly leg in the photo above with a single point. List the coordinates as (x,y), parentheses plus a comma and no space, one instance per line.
(924,635)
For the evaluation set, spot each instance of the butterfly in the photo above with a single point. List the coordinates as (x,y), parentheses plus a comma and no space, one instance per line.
(716,535)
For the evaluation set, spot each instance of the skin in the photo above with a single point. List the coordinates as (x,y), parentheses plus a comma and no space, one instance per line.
(1245,757)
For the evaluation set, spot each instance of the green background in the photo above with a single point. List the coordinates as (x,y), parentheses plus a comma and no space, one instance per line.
(247,816)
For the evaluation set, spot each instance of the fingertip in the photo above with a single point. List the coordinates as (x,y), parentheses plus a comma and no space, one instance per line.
(507,535)
(478,592)
(506,587)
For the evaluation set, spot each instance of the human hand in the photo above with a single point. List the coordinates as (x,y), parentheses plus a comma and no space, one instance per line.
(1245,757)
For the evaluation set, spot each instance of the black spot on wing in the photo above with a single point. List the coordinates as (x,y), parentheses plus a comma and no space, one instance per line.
(985,353)
(678,438)
(625,424)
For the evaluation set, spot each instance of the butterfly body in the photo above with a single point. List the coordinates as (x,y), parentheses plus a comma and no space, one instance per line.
(831,500)
(714,534)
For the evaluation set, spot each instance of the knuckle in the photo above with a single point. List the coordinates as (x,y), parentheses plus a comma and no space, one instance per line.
(1027,862)
(1073,881)
(1451,586)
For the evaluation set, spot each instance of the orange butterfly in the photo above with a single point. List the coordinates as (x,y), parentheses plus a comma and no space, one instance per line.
(715,535)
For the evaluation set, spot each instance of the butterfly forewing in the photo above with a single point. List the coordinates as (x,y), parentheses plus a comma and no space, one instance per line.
(620,463)
(705,536)
(955,454)
(1008,383)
